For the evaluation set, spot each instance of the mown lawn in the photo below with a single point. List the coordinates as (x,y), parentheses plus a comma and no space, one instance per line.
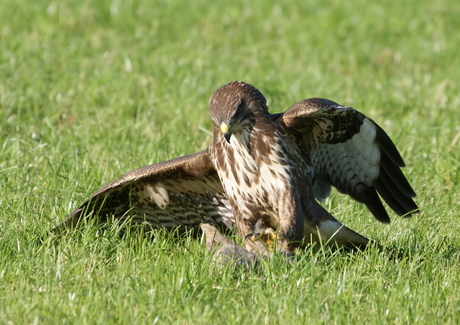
(92,89)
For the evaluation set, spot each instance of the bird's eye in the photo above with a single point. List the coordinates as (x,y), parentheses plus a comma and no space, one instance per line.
(239,109)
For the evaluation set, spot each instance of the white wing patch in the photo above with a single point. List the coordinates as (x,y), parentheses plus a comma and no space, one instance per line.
(157,193)
(368,152)
(354,161)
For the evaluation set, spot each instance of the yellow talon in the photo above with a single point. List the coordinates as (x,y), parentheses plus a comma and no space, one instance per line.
(268,238)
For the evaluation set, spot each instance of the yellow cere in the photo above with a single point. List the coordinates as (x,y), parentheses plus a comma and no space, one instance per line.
(224,128)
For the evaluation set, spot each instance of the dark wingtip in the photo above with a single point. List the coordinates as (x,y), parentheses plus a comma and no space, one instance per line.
(370,198)
(69,222)
(392,185)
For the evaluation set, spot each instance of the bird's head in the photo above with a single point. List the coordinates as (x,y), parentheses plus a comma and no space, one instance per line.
(235,107)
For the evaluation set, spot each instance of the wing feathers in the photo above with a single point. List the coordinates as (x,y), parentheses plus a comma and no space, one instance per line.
(394,175)
(387,146)
(323,120)
(169,194)
(394,194)
(369,197)
(352,153)
(395,202)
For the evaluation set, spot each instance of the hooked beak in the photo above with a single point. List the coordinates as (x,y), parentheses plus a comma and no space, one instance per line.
(226,130)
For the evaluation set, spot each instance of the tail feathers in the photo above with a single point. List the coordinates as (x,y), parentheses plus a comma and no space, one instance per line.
(321,227)
(334,233)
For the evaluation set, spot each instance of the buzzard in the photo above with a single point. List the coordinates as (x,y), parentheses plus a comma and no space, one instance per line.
(263,174)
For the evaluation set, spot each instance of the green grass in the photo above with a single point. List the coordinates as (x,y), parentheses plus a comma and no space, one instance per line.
(92,89)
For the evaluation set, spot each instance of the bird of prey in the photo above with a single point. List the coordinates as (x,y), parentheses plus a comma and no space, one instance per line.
(263,174)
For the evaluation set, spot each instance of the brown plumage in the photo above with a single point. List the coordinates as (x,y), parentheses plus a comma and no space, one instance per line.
(262,173)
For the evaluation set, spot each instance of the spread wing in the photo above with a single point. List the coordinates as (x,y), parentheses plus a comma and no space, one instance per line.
(183,192)
(351,152)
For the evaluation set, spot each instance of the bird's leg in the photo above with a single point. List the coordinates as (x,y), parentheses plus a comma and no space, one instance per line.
(265,235)
(291,222)
(265,240)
